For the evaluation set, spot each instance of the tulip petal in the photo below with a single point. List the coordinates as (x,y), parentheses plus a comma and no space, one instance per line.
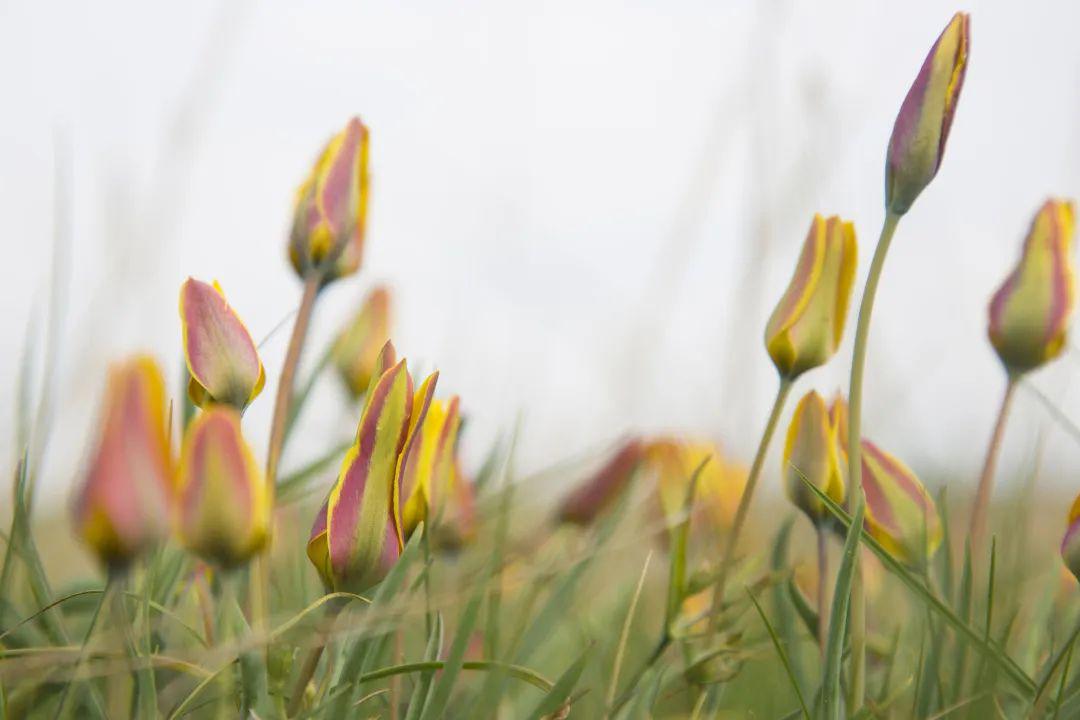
(221,356)
(900,513)
(811,453)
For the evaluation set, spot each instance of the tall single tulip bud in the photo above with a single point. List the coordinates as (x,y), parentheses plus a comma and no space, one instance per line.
(1030,312)
(356,350)
(224,508)
(1070,544)
(918,138)
(807,325)
(600,490)
(428,469)
(357,535)
(221,356)
(812,453)
(123,506)
(331,208)
(900,514)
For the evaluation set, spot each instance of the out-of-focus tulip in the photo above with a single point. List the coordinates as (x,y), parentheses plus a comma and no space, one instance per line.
(672,462)
(1070,544)
(807,325)
(838,418)
(900,514)
(1030,312)
(918,138)
(221,356)
(356,350)
(428,469)
(457,521)
(590,499)
(123,506)
(331,208)
(357,535)
(224,508)
(812,454)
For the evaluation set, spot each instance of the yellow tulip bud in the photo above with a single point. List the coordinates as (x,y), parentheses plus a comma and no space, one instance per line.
(1030,312)
(356,350)
(807,325)
(224,508)
(812,453)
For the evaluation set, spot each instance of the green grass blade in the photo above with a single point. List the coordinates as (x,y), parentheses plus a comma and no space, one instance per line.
(422,689)
(556,698)
(783,655)
(834,644)
(624,635)
(436,708)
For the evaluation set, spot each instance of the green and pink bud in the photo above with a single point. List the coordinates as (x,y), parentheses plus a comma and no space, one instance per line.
(900,514)
(807,325)
(356,350)
(922,127)
(222,359)
(357,535)
(812,454)
(1030,312)
(330,213)
(124,505)
(224,508)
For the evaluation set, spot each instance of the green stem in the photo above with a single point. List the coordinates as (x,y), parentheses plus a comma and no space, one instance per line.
(855,393)
(744,502)
(823,585)
(986,479)
(63,710)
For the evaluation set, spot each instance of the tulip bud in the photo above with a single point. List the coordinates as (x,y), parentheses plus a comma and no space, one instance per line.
(812,454)
(900,514)
(457,521)
(672,463)
(1070,544)
(838,418)
(807,325)
(357,535)
(124,503)
(922,126)
(356,350)
(590,499)
(1030,312)
(221,356)
(331,208)
(224,509)
(428,468)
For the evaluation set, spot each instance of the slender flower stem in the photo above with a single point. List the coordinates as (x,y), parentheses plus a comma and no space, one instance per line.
(986,480)
(855,392)
(744,502)
(288,376)
(823,585)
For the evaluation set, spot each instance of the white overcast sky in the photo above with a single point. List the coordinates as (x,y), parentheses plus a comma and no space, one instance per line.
(586,209)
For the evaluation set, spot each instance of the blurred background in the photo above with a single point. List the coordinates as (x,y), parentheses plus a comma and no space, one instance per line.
(586,210)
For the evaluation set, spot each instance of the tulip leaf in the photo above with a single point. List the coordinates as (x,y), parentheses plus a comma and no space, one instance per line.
(421,691)
(783,655)
(557,698)
(986,647)
(803,609)
(679,541)
(834,644)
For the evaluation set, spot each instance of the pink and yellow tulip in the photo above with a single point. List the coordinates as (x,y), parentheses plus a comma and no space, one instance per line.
(428,471)
(357,535)
(807,325)
(356,350)
(601,489)
(922,126)
(221,357)
(124,504)
(330,214)
(812,453)
(1030,312)
(672,463)
(223,505)
(900,514)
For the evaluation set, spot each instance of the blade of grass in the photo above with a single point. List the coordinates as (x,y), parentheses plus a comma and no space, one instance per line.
(418,701)
(834,643)
(557,697)
(783,655)
(436,708)
(624,635)
(1064,678)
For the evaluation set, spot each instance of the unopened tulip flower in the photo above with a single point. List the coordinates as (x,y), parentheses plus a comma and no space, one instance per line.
(1030,312)
(457,522)
(357,535)
(672,463)
(428,469)
(812,453)
(1070,544)
(807,325)
(838,418)
(600,490)
(900,514)
(223,505)
(356,350)
(331,208)
(221,357)
(124,504)
(918,139)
